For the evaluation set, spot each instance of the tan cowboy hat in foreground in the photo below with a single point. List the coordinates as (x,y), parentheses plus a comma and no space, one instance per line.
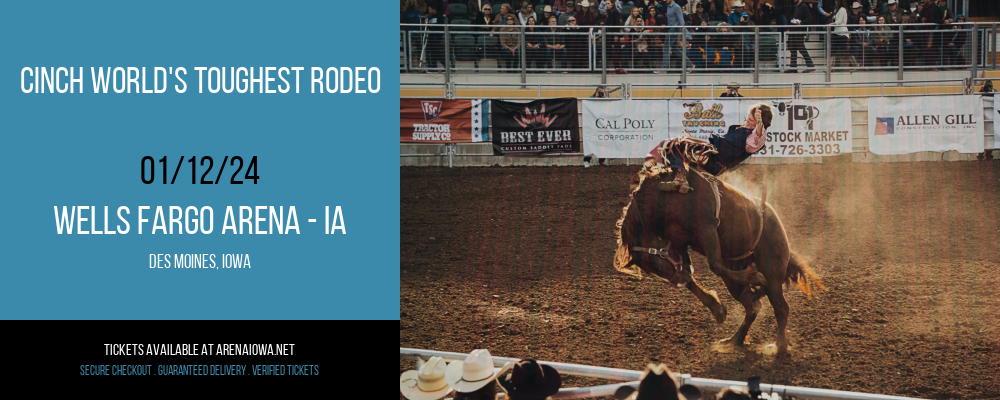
(472,374)
(426,384)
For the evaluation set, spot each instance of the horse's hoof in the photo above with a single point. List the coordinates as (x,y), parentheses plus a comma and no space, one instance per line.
(727,346)
(720,312)
(774,349)
(733,341)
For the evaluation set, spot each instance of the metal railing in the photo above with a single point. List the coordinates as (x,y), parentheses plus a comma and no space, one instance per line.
(757,49)
(632,377)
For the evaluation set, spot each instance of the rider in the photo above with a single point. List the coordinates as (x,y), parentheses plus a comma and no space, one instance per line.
(730,149)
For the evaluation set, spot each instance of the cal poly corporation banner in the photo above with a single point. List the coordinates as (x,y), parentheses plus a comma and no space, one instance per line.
(806,128)
(442,121)
(541,126)
(901,125)
(702,118)
(623,128)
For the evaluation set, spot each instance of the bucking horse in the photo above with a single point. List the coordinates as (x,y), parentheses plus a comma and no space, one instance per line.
(744,242)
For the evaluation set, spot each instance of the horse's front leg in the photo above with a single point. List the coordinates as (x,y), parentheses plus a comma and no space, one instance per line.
(710,298)
(708,238)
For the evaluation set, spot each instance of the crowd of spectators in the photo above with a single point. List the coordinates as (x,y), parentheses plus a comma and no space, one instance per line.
(860,36)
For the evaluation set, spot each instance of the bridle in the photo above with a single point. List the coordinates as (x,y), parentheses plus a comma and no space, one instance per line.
(664,253)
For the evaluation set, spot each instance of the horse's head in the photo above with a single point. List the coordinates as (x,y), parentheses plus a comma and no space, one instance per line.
(643,224)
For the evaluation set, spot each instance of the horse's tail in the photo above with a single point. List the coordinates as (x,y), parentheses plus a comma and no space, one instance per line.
(802,274)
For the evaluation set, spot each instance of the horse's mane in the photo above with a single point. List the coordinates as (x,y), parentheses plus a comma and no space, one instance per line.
(628,221)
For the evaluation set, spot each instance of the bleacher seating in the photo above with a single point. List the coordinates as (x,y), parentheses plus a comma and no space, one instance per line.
(459,10)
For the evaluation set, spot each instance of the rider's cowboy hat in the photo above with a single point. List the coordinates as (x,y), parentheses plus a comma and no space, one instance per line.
(657,383)
(529,379)
(472,374)
(426,384)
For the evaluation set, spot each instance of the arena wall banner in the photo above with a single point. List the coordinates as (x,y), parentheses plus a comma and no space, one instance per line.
(702,118)
(805,128)
(996,123)
(541,126)
(623,128)
(901,125)
(442,121)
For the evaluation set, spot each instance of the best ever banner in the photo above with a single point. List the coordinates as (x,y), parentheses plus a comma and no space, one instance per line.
(806,128)
(902,125)
(623,128)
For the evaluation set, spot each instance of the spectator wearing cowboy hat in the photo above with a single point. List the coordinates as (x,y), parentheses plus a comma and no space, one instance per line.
(657,383)
(734,17)
(855,14)
(588,13)
(529,380)
(544,16)
(473,378)
(427,383)
(893,15)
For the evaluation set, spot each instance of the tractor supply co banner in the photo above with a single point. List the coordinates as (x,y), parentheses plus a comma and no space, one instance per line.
(443,121)
(902,125)
(702,118)
(804,128)
(623,128)
(541,126)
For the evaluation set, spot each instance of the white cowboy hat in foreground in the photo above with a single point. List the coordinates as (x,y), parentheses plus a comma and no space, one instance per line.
(472,374)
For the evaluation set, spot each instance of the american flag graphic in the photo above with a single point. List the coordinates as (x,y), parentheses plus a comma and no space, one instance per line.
(883,126)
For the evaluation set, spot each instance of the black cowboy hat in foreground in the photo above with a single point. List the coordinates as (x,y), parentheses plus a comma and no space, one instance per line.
(657,383)
(530,380)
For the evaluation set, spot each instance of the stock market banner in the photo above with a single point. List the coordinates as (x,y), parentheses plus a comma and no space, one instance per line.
(442,121)
(541,126)
(901,125)
(806,128)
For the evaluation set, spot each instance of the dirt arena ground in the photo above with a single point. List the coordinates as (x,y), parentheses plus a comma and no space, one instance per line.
(518,261)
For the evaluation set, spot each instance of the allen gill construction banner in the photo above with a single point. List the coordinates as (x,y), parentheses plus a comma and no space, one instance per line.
(442,121)
(623,128)
(901,125)
(541,126)
(805,128)
(996,123)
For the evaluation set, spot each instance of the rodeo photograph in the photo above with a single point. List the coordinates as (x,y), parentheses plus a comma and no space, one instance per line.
(699,199)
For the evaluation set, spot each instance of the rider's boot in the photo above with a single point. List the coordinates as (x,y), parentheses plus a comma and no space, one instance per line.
(679,183)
